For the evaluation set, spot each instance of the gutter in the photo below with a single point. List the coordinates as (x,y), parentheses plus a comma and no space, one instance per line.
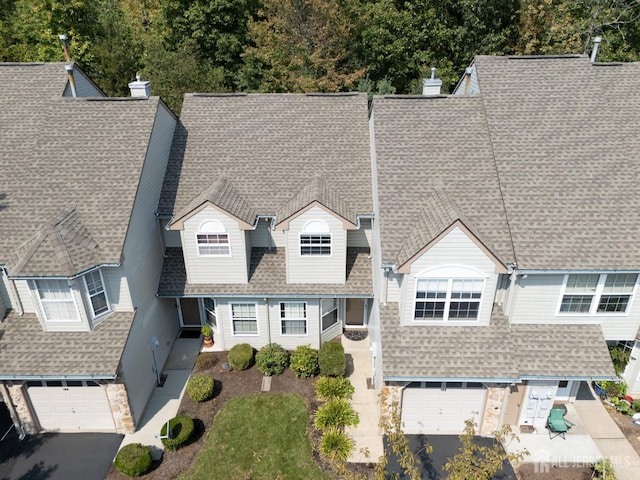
(72,277)
(566,271)
(268,295)
(450,379)
(585,378)
(100,376)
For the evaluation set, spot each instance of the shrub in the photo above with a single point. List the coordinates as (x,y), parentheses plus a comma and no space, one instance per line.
(240,356)
(272,359)
(620,358)
(336,445)
(604,470)
(335,413)
(334,387)
(206,330)
(614,388)
(200,388)
(331,359)
(206,360)
(636,405)
(181,432)
(304,361)
(133,459)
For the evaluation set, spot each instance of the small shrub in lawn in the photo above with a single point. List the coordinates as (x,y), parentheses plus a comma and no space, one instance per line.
(133,460)
(200,388)
(331,359)
(272,359)
(181,432)
(304,361)
(333,387)
(206,360)
(240,356)
(336,413)
(636,405)
(336,445)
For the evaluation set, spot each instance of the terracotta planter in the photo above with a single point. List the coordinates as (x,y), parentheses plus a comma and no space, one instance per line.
(208,342)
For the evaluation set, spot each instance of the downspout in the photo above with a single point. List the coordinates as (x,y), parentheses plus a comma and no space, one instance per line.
(385,285)
(161,235)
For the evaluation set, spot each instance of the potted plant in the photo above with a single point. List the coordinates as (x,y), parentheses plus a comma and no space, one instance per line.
(207,333)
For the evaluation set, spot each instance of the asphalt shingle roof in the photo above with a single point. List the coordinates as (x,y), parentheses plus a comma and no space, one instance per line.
(60,154)
(272,146)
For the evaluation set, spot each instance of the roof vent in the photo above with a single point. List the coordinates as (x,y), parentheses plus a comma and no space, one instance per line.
(594,52)
(431,86)
(140,88)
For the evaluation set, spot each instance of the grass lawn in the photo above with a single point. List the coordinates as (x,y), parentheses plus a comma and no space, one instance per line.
(260,436)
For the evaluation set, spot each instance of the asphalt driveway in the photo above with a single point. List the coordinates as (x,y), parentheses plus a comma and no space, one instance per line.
(444,447)
(58,456)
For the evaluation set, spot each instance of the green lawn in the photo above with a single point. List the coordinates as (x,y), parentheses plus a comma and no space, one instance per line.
(261,436)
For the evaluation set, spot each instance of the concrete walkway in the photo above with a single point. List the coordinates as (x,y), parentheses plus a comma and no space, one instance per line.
(165,401)
(366,435)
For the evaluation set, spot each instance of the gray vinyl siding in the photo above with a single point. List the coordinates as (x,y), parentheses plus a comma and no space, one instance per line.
(214,269)
(117,288)
(143,257)
(5,297)
(394,286)
(334,330)
(317,269)
(455,249)
(84,86)
(264,237)
(225,324)
(171,237)
(26,298)
(290,342)
(537,299)
(474,85)
(362,237)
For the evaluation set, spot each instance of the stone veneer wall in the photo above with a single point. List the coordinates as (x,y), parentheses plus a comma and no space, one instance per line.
(492,411)
(119,401)
(389,393)
(23,409)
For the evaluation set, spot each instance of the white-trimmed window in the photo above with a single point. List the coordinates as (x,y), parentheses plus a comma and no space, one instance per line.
(593,293)
(210,311)
(315,239)
(56,300)
(244,318)
(293,318)
(213,239)
(97,294)
(329,309)
(448,299)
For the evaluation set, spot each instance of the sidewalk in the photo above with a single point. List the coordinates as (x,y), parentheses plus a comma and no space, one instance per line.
(366,435)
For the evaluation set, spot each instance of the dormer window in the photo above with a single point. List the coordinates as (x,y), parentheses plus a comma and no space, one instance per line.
(56,300)
(213,240)
(97,293)
(315,239)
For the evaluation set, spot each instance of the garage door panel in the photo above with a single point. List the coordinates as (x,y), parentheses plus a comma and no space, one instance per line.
(426,410)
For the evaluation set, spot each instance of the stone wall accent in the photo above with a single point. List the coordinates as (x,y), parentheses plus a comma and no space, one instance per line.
(119,401)
(23,408)
(390,392)
(492,411)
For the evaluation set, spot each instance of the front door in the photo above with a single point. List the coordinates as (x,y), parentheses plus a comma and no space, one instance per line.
(190,313)
(355,313)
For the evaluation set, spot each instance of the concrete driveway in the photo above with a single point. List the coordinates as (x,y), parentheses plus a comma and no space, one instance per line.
(444,447)
(58,456)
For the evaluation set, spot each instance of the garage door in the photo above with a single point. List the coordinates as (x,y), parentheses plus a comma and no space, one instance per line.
(70,407)
(434,410)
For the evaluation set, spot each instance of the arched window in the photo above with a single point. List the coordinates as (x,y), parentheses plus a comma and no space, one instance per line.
(315,239)
(212,239)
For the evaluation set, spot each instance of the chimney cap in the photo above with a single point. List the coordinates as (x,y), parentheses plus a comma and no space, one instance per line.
(431,86)
(140,88)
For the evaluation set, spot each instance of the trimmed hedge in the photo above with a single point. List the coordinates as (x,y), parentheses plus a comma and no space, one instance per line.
(334,387)
(133,460)
(181,431)
(272,359)
(331,359)
(200,388)
(304,361)
(206,360)
(240,356)
(336,413)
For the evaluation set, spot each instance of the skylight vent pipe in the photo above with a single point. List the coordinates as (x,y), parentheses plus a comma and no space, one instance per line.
(69,66)
(594,52)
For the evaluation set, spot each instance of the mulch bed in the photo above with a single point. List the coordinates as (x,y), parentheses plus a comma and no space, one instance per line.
(230,384)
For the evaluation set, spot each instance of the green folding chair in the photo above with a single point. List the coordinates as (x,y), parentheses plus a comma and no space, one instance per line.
(557,424)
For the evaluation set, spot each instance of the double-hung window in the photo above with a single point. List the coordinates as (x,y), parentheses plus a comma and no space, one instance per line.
(210,310)
(293,318)
(329,308)
(97,294)
(448,299)
(213,240)
(244,318)
(590,294)
(315,239)
(56,300)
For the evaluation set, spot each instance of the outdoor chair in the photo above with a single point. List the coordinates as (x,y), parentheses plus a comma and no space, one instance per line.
(557,424)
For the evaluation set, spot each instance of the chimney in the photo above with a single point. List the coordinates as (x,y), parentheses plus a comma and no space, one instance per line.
(431,86)
(69,66)
(594,52)
(140,88)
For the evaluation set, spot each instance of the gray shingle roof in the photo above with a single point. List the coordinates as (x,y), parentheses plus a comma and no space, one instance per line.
(58,153)
(497,351)
(271,145)
(267,276)
(25,350)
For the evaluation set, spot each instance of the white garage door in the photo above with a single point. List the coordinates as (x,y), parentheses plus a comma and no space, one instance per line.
(72,408)
(433,410)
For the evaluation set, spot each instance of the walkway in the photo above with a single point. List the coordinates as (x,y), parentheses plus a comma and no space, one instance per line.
(366,435)
(165,401)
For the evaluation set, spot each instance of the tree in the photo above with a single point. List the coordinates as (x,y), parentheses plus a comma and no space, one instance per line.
(475,462)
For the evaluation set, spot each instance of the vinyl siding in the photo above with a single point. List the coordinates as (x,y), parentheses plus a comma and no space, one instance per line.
(394,286)
(24,292)
(171,237)
(117,288)
(84,86)
(5,298)
(290,342)
(456,249)
(264,237)
(316,269)
(537,300)
(214,269)
(362,237)
(225,325)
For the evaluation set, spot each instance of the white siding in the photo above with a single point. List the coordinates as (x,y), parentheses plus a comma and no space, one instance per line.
(214,269)
(5,297)
(362,237)
(290,342)
(394,285)
(317,269)
(264,237)
(117,288)
(455,249)
(537,300)
(225,326)
(26,298)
